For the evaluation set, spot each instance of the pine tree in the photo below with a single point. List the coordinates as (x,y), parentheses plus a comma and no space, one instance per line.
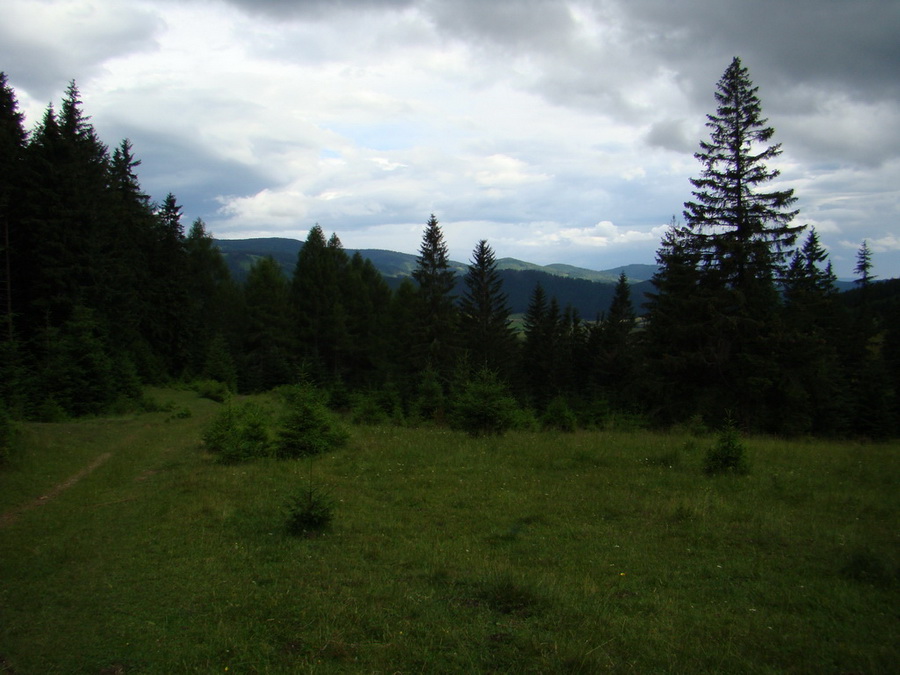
(740,233)
(613,346)
(540,349)
(269,347)
(437,312)
(366,298)
(210,294)
(12,151)
(679,371)
(485,328)
(317,301)
(811,392)
(741,230)
(168,322)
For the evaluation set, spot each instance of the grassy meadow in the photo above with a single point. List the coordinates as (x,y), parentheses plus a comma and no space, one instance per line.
(587,552)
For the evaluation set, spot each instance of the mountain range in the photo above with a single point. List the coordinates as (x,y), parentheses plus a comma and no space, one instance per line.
(587,291)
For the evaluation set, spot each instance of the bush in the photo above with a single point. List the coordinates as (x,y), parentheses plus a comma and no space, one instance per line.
(369,409)
(309,513)
(213,390)
(727,455)
(559,416)
(484,406)
(429,403)
(308,427)
(238,434)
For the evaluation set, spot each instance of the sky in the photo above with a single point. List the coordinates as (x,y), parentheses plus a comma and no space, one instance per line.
(561,132)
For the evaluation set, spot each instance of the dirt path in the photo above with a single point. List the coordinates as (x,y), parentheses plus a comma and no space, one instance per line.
(12,515)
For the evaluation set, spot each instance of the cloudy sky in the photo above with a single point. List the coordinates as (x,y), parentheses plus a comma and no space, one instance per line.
(561,131)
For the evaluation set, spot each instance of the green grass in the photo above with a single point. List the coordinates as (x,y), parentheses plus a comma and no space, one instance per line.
(585,552)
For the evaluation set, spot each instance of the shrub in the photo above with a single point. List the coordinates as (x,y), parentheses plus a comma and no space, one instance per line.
(727,455)
(308,427)
(369,409)
(484,406)
(429,403)
(309,513)
(559,416)
(213,390)
(238,433)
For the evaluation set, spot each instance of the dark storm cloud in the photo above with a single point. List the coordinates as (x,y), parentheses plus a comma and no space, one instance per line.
(844,44)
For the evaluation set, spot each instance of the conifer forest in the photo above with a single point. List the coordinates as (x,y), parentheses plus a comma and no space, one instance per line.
(105,290)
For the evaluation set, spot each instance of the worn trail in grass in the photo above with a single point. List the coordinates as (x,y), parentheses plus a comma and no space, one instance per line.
(586,552)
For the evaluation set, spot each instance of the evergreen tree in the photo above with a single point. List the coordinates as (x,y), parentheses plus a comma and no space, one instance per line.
(538,365)
(740,229)
(614,346)
(168,322)
(367,299)
(679,370)
(437,313)
(268,353)
(210,297)
(67,173)
(863,267)
(316,298)
(487,334)
(740,234)
(869,381)
(12,152)
(811,392)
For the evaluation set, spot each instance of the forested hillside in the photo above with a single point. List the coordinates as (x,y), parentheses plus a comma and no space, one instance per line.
(105,290)
(587,291)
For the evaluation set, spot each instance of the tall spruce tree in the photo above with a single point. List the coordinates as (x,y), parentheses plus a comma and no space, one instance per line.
(740,231)
(269,347)
(436,280)
(318,304)
(613,346)
(12,153)
(485,328)
(811,389)
(13,139)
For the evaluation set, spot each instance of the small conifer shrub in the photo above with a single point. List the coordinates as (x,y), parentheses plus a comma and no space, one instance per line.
(727,455)
(484,406)
(309,513)
(238,433)
(308,427)
(559,416)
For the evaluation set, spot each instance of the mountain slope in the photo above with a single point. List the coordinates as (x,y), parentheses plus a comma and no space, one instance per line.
(588,291)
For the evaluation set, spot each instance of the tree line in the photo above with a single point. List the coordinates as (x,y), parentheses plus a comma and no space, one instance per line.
(105,290)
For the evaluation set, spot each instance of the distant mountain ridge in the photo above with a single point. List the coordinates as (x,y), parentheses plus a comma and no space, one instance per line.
(587,291)
(240,254)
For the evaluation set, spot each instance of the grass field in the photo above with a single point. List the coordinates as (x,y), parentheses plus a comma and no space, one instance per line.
(547,553)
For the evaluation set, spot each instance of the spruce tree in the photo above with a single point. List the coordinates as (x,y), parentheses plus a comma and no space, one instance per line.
(811,394)
(268,352)
(317,302)
(540,349)
(613,346)
(436,323)
(740,231)
(487,335)
(12,152)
